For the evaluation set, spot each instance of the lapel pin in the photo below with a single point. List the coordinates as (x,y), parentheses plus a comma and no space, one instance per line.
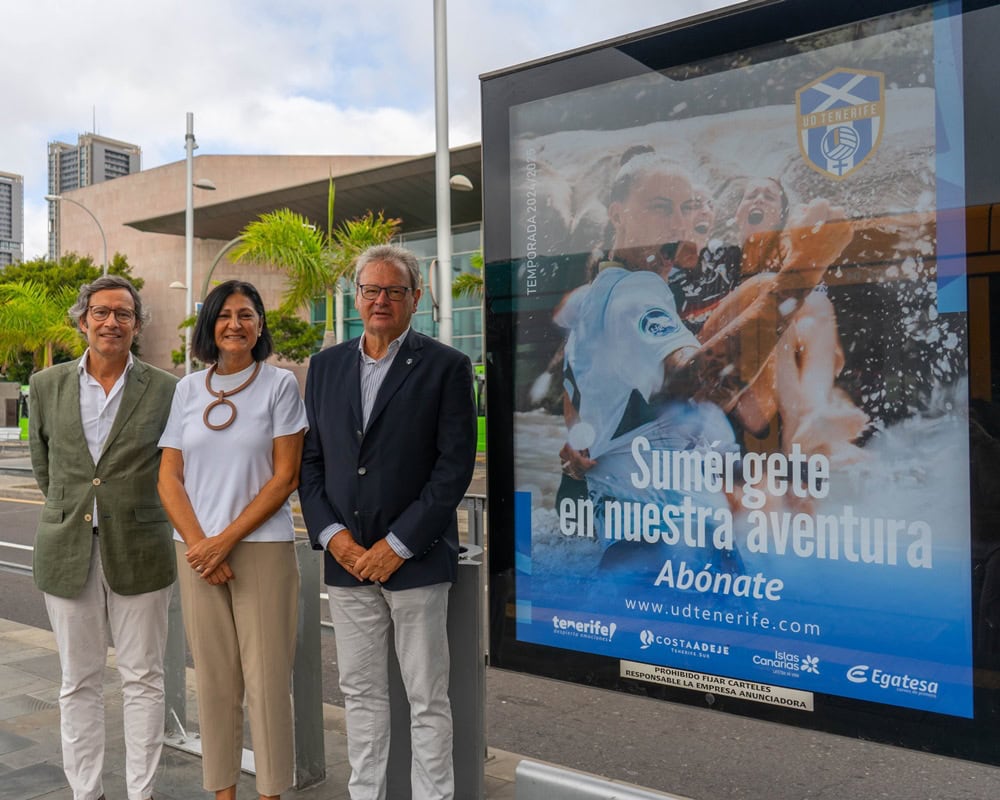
(409,361)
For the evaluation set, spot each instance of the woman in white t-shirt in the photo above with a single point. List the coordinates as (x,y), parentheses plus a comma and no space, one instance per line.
(231,453)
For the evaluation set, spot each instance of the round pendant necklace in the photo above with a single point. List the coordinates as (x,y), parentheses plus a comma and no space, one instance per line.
(222,397)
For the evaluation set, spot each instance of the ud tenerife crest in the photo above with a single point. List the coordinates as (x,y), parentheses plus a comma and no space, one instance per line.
(841,119)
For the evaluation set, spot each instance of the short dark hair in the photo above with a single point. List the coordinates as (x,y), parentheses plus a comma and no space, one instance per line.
(203,346)
(79,309)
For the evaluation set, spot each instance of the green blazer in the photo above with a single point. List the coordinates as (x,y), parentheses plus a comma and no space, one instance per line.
(137,550)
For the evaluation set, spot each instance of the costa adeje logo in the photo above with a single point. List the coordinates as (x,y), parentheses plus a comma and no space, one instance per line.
(682,644)
(862,673)
(584,629)
(657,322)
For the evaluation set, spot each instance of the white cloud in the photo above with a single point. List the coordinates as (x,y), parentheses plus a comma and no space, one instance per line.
(343,76)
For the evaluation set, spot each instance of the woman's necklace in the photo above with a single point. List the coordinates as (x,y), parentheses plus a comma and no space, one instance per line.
(222,398)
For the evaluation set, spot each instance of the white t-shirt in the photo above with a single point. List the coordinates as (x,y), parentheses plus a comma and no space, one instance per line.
(224,470)
(621,327)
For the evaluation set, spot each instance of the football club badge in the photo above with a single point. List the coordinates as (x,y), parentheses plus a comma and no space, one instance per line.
(841,119)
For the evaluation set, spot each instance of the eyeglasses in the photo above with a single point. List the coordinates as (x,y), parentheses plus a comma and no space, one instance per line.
(101,313)
(370,291)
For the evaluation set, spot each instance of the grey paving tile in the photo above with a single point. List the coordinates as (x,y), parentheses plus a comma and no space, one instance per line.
(497,789)
(66,794)
(9,742)
(40,728)
(18,652)
(45,753)
(179,775)
(21,704)
(43,666)
(31,782)
(15,681)
(49,694)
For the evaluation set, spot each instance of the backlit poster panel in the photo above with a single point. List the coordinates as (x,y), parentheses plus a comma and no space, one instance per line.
(740,433)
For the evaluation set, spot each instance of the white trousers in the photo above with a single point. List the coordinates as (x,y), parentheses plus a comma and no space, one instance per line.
(137,625)
(361,620)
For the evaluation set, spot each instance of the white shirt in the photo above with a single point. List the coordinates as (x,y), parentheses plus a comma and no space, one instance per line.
(97,408)
(224,470)
(621,327)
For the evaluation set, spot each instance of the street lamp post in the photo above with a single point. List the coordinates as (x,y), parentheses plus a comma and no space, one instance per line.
(442,168)
(57,198)
(190,145)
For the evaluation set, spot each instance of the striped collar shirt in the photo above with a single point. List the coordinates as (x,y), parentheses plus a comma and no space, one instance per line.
(373,372)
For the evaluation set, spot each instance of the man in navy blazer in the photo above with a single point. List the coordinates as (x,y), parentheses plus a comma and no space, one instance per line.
(388,456)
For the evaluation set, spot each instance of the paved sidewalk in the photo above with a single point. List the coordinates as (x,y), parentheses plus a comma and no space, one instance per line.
(31,763)
(30,756)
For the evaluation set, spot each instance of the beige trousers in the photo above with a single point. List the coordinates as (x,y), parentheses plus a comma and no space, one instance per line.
(242,640)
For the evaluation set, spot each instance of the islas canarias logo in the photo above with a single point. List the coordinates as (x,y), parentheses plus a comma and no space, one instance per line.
(841,116)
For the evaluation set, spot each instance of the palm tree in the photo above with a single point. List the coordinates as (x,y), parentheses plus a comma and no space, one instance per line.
(470,283)
(35,318)
(316,262)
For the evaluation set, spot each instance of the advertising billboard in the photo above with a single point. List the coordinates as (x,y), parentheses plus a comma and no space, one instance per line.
(727,296)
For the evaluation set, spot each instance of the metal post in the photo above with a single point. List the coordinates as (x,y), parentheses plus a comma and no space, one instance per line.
(175,671)
(442,168)
(189,146)
(307,674)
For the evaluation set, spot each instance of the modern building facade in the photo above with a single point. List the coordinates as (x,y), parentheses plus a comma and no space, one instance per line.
(11,218)
(143,217)
(93,159)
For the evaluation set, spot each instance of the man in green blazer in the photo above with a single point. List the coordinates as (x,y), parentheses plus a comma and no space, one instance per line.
(104,555)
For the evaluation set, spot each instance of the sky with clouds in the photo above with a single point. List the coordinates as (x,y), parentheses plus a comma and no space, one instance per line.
(290,77)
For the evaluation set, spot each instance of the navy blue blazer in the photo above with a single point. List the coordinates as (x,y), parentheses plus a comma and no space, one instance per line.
(407,472)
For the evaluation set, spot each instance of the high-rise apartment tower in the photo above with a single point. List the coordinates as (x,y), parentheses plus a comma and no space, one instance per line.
(93,159)
(11,218)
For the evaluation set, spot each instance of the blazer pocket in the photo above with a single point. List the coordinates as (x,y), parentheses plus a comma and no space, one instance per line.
(150,514)
(50,514)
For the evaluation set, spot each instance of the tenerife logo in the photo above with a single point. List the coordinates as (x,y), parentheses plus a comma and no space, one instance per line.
(657,322)
(841,119)
(589,629)
(646,637)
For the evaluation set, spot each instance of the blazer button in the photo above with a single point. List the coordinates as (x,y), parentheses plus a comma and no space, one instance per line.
(97,481)
(362,470)
(87,517)
(359,434)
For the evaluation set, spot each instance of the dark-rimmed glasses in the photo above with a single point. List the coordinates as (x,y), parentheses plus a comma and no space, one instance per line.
(101,313)
(370,291)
